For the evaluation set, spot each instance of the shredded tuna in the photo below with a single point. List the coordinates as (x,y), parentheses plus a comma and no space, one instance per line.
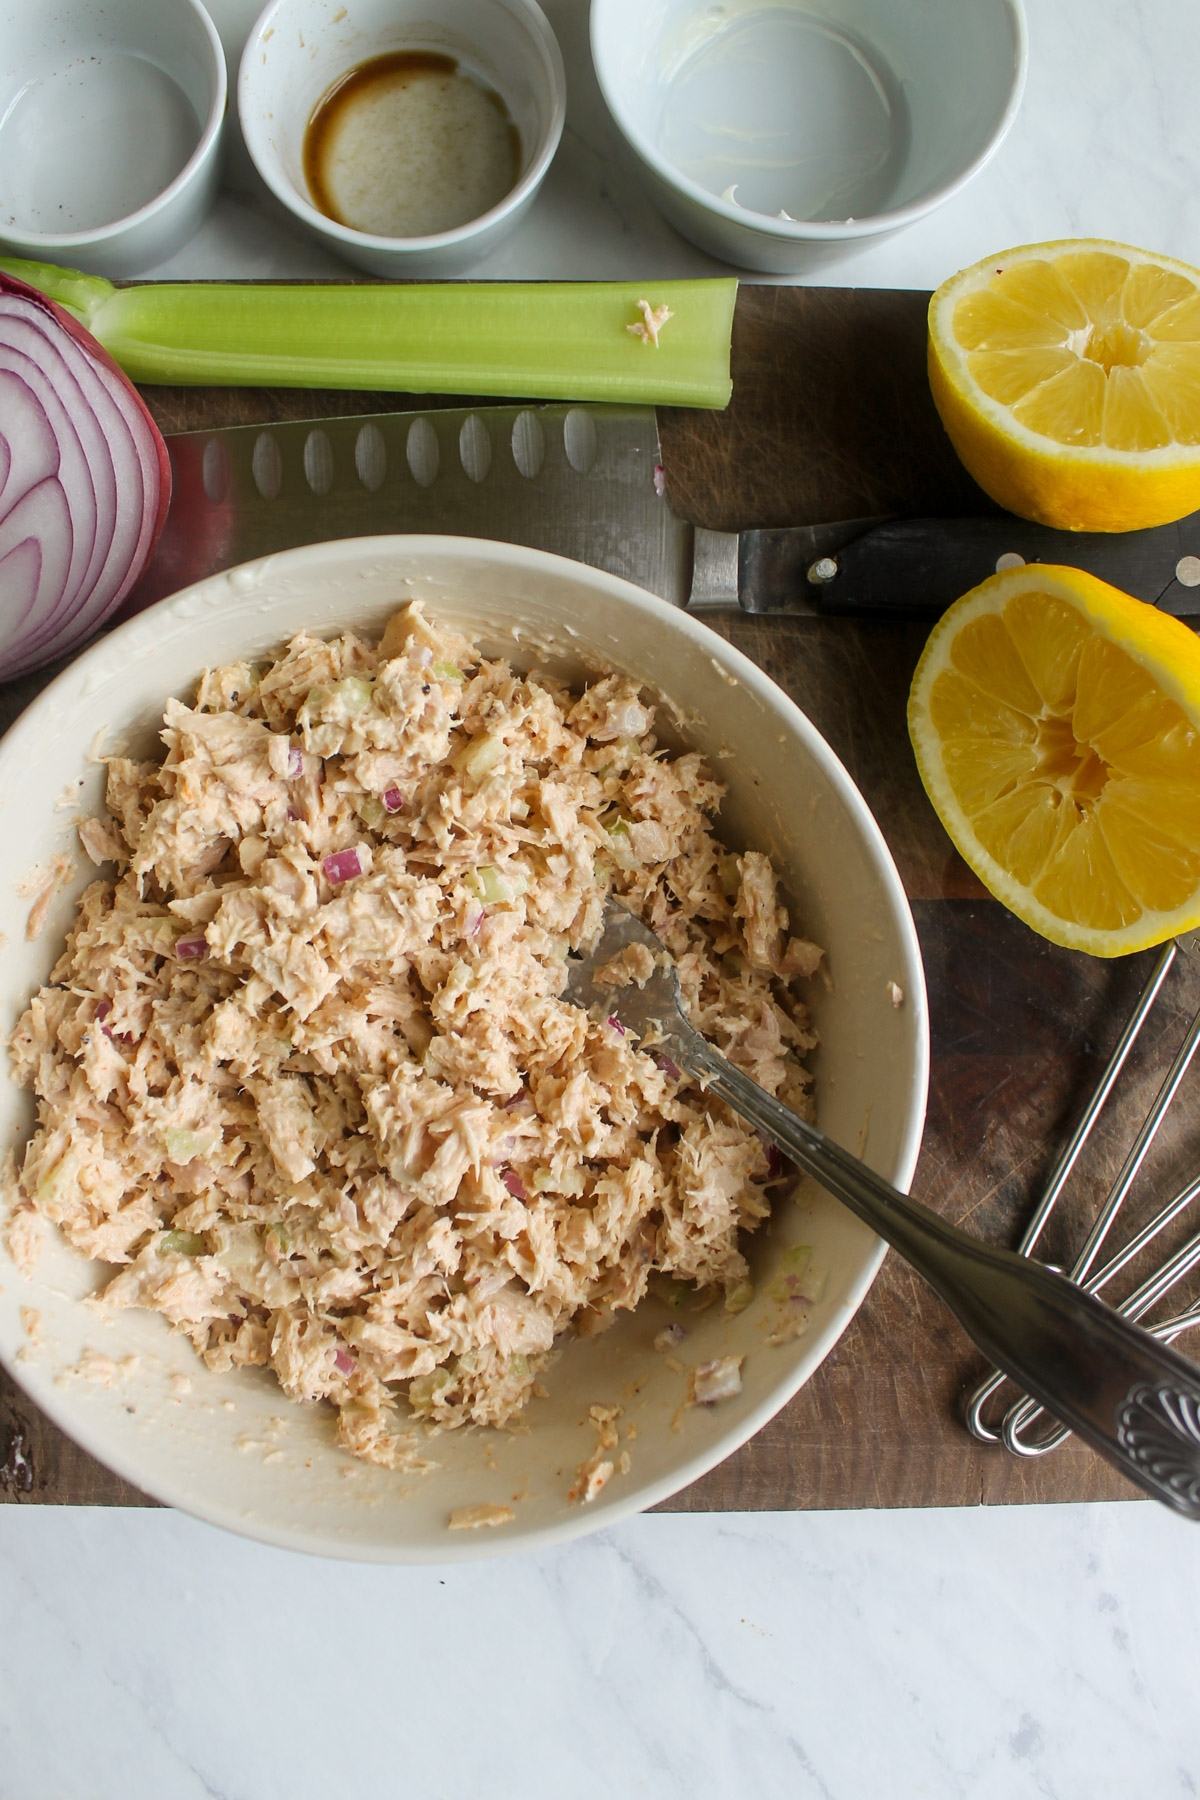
(634,964)
(471,1518)
(97,1366)
(304,1071)
(43,884)
(651,322)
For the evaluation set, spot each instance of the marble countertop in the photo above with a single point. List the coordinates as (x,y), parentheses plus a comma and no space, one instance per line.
(1048,1651)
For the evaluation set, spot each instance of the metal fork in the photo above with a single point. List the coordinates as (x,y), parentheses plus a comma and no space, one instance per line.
(1023,1413)
(1133,1399)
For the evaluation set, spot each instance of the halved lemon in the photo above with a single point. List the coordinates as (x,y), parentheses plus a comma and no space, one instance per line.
(1056,724)
(1068,378)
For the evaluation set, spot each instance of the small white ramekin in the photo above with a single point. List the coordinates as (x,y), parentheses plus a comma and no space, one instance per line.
(938,83)
(111,115)
(299,48)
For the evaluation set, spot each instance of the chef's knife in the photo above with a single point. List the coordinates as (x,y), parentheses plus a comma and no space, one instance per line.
(586,481)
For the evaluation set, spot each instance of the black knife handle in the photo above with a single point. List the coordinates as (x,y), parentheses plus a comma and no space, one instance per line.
(915,568)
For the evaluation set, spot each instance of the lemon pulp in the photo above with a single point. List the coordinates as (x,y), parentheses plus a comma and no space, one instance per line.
(1056,724)
(1068,378)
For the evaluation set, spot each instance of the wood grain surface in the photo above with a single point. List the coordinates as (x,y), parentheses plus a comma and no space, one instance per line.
(831,418)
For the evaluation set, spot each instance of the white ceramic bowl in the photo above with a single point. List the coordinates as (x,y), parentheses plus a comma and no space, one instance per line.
(299,48)
(111,113)
(212,1451)
(854,117)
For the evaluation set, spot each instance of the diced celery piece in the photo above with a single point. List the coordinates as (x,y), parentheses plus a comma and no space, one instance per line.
(354,692)
(675,1293)
(424,1390)
(490,887)
(183,1146)
(182,1243)
(338,703)
(448,671)
(728,879)
(622,849)
(481,755)
(795,1282)
(60,1176)
(739,1298)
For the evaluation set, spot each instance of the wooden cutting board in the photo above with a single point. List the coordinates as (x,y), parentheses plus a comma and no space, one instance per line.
(831,418)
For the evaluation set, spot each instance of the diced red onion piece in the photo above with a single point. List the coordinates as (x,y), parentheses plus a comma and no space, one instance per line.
(342,865)
(344,1363)
(514,1184)
(670,1068)
(393,799)
(295,762)
(103,1008)
(615,1023)
(191,948)
(514,1100)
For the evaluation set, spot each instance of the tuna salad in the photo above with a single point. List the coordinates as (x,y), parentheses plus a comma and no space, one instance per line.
(303,1072)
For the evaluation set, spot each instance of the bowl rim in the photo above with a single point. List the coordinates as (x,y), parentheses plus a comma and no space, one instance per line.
(127,645)
(253,130)
(806,231)
(100,236)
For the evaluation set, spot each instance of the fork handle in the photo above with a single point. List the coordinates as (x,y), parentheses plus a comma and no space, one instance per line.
(1130,1397)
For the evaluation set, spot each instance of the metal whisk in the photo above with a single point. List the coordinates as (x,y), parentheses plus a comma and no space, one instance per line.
(1019,1429)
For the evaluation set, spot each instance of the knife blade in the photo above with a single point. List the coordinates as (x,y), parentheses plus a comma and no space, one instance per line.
(577,480)
(586,481)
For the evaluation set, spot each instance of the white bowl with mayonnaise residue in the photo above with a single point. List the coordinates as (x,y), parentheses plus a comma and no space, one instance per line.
(231,1448)
(781,134)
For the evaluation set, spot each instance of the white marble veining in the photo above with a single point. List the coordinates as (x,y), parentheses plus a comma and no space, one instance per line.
(975,1655)
(1046,1651)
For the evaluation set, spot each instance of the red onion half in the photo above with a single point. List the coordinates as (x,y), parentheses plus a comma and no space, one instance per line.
(85,481)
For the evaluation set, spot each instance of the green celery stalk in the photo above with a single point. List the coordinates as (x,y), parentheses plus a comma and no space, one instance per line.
(546,340)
